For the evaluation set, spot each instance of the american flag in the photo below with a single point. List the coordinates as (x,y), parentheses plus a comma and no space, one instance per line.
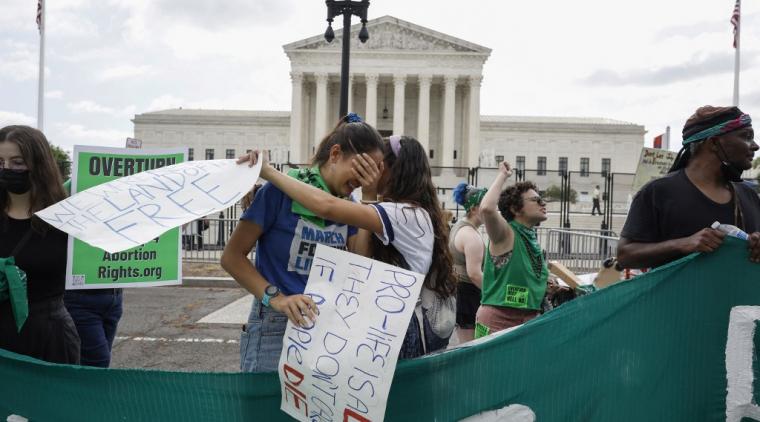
(39,15)
(735,20)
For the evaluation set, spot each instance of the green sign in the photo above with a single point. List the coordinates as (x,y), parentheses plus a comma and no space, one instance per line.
(156,263)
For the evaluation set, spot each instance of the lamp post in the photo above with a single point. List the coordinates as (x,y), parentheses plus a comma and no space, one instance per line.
(347,9)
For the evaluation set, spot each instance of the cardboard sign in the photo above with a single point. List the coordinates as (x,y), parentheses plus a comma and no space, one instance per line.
(134,143)
(653,164)
(341,367)
(145,201)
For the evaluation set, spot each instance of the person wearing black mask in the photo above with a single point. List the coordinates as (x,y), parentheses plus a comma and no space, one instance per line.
(29,182)
(670,217)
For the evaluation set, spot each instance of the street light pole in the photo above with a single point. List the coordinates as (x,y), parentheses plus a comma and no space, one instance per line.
(347,9)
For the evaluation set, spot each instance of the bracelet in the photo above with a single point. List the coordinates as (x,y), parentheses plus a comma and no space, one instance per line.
(369,202)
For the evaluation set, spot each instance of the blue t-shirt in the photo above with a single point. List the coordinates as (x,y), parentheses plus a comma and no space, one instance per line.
(285,250)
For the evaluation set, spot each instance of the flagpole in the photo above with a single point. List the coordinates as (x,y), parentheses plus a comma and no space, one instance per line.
(41,79)
(737,58)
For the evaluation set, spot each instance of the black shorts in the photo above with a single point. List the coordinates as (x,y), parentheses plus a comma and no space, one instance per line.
(468,301)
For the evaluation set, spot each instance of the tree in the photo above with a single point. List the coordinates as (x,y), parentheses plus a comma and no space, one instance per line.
(554,193)
(62,158)
(756,163)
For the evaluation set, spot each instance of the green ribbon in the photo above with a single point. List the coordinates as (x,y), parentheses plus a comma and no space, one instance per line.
(310,176)
(13,288)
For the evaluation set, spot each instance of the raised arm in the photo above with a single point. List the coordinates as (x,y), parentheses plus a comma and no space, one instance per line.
(499,231)
(317,201)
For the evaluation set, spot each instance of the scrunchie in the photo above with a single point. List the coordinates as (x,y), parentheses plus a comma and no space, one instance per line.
(352,118)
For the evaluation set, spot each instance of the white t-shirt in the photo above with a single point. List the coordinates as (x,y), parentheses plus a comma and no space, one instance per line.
(409,229)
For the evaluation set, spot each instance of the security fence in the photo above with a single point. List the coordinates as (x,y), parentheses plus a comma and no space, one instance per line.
(580,250)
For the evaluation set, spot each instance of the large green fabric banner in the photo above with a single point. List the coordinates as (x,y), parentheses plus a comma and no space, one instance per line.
(655,348)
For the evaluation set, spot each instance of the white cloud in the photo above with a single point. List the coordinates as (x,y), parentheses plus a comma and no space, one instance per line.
(13,118)
(54,94)
(83,134)
(87,106)
(165,102)
(20,61)
(123,72)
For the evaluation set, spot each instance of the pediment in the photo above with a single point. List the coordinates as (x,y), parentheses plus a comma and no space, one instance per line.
(391,34)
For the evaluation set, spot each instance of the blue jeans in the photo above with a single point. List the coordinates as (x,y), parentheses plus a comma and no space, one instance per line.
(261,339)
(96,315)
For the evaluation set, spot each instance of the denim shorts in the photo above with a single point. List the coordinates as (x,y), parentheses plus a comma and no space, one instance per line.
(261,339)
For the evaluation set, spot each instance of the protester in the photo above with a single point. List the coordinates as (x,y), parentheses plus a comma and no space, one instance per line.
(276,225)
(515,271)
(595,199)
(96,314)
(671,217)
(466,247)
(409,231)
(29,182)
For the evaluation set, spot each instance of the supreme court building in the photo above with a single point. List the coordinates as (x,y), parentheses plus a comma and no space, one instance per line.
(405,80)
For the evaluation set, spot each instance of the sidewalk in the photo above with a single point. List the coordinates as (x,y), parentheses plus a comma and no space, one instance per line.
(206,274)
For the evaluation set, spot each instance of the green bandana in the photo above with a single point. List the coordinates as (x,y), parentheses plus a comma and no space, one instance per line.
(310,176)
(474,199)
(13,288)
(530,239)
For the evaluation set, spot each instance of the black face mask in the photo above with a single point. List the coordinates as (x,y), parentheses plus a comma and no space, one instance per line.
(731,172)
(13,181)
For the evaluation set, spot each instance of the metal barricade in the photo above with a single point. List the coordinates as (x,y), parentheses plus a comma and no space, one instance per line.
(582,251)
(203,240)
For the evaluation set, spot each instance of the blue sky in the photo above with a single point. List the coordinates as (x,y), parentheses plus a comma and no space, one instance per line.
(649,62)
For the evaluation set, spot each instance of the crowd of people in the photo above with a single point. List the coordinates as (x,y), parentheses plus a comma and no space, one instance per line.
(473,287)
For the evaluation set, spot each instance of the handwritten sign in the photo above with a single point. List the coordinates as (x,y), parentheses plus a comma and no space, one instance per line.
(341,367)
(157,263)
(147,200)
(653,164)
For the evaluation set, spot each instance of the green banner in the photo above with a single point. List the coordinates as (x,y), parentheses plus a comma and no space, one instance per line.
(655,348)
(156,263)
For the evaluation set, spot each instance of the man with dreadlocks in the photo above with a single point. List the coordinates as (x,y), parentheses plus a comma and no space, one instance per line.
(670,217)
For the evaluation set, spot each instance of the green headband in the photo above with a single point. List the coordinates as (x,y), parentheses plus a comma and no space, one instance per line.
(474,199)
(738,123)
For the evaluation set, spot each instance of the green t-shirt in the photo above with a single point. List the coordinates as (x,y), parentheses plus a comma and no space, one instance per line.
(521,282)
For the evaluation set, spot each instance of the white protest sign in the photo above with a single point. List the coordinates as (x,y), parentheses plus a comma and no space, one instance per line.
(341,367)
(133,210)
(653,164)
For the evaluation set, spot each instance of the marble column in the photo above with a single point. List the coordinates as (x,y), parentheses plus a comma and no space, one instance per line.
(399,95)
(472,145)
(320,117)
(371,113)
(296,111)
(449,105)
(423,116)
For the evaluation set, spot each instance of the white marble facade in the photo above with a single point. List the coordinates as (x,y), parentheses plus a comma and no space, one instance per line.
(405,80)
